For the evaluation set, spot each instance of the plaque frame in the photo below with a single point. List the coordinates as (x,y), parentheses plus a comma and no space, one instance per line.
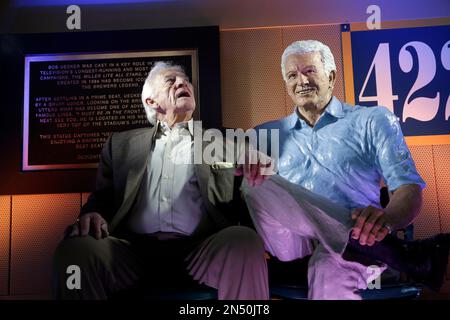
(26,166)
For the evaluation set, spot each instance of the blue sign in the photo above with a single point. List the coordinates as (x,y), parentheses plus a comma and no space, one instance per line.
(408,71)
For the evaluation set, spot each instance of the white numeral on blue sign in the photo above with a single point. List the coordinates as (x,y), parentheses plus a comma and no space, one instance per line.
(421,108)
(445,59)
(416,107)
(382,65)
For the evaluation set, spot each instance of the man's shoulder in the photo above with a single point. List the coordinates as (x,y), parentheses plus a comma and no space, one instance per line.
(369,112)
(120,139)
(280,124)
(126,134)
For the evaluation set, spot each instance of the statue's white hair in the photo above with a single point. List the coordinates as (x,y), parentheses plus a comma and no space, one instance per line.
(148,90)
(307,46)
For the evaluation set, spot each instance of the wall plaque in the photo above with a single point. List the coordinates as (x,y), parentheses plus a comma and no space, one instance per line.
(73,102)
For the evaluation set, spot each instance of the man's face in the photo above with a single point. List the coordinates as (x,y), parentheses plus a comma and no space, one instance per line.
(307,83)
(173,93)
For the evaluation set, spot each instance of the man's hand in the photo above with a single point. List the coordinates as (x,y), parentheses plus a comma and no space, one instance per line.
(256,169)
(91,222)
(370,225)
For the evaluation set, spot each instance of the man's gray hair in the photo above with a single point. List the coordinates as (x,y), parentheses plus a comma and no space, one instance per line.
(148,90)
(307,46)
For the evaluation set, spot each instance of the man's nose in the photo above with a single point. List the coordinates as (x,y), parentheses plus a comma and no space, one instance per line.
(180,82)
(302,79)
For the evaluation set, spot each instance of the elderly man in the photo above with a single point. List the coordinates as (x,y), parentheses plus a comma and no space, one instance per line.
(332,157)
(155,217)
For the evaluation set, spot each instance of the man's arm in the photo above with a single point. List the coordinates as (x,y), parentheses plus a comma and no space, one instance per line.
(371,223)
(404,206)
(100,202)
(393,159)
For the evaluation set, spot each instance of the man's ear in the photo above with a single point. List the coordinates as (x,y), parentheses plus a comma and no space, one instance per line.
(332,78)
(154,105)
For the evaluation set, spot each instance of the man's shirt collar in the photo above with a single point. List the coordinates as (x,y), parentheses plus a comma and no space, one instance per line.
(334,109)
(162,126)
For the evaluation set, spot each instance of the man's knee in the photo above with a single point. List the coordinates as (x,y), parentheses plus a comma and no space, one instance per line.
(79,251)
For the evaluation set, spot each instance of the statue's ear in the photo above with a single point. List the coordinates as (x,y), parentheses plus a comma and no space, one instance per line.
(332,78)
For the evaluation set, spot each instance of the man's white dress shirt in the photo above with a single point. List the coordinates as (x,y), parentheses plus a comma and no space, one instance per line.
(169,198)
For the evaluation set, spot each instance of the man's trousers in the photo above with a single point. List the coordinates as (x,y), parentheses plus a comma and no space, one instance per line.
(288,217)
(231,260)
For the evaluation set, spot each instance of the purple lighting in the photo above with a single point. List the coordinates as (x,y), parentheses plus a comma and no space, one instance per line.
(44,3)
